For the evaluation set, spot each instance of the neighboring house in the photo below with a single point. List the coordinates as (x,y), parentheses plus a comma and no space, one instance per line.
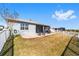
(59,29)
(28,27)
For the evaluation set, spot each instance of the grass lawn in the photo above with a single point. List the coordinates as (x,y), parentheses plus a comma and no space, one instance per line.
(52,45)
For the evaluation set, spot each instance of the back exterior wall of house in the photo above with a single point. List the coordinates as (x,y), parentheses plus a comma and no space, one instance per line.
(24,29)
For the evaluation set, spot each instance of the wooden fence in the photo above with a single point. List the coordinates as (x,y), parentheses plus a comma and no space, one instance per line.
(72,49)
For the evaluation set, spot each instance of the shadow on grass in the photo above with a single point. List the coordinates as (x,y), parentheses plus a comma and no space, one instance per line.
(73,46)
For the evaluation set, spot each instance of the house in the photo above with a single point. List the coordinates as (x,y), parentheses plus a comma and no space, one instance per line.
(59,29)
(28,27)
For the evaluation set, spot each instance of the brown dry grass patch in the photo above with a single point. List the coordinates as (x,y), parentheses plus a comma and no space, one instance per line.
(52,45)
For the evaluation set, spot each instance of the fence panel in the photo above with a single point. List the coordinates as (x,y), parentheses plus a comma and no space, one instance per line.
(4,34)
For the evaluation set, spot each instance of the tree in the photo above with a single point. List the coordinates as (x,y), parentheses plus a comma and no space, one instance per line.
(6,14)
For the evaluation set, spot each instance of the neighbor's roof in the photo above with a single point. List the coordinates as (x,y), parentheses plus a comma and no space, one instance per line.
(25,21)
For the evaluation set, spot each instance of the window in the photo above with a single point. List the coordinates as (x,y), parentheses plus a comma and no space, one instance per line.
(24,26)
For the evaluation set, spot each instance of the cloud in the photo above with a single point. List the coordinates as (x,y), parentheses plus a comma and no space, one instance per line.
(73,16)
(64,15)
